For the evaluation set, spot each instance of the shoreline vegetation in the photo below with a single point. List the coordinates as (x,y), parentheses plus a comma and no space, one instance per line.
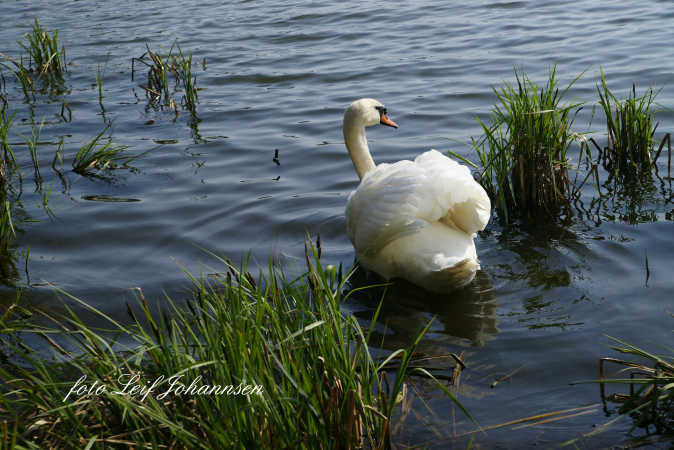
(316,384)
(523,153)
(321,387)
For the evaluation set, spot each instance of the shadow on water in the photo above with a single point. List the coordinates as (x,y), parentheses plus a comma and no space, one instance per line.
(540,271)
(637,200)
(468,313)
(545,260)
(631,197)
(546,255)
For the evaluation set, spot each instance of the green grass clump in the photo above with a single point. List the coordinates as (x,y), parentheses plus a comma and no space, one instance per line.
(631,129)
(157,74)
(159,68)
(44,53)
(95,155)
(320,385)
(183,66)
(44,62)
(523,151)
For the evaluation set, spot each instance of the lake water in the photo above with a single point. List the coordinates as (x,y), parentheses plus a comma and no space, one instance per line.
(278,76)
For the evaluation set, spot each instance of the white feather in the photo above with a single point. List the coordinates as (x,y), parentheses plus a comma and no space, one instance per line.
(417,219)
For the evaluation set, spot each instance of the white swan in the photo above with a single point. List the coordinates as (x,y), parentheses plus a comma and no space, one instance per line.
(412,219)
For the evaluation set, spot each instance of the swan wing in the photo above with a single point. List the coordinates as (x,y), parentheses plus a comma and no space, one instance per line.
(397,200)
(457,199)
(385,206)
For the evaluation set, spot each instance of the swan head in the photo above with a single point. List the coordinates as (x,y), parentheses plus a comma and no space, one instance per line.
(360,114)
(368,112)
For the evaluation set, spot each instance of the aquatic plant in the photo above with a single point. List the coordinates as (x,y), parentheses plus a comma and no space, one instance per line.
(99,83)
(157,87)
(33,142)
(8,199)
(43,51)
(100,156)
(183,66)
(627,188)
(157,74)
(523,150)
(44,62)
(6,153)
(320,387)
(650,401)
(7,230)
(22,75)
(7,165)
(631,128)
(651,404)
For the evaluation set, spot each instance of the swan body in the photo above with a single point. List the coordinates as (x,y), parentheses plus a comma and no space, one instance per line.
(412,219)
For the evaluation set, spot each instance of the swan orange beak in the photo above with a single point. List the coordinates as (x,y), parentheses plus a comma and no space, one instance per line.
(386,121)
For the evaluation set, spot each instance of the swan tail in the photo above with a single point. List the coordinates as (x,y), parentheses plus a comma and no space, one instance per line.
(456,276)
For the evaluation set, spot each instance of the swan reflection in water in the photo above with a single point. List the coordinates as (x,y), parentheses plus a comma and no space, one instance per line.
(467,313)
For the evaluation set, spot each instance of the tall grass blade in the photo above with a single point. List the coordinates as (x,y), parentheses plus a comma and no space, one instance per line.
(313,382)
(523,152)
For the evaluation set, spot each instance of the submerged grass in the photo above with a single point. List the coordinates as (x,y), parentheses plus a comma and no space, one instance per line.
(159,68)
(6,153)
(316,384)
(22,74)
(99,156)
(33,143)
(651,404)
(45,62)
(157,85)
(650,401)
(7,231)
(523,150)
(183,66)
(7,165)
(100,75)
(43,51)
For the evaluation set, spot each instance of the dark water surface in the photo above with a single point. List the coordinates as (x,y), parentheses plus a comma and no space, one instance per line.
(278,75)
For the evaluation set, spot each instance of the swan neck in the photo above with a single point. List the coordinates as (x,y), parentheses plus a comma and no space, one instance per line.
(356,143)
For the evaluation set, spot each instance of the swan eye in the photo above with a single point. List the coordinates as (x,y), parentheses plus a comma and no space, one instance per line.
(381,110)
